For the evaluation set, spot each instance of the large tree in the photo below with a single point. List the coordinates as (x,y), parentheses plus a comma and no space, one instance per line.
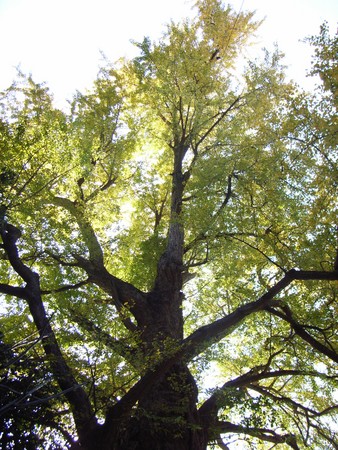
(177,224)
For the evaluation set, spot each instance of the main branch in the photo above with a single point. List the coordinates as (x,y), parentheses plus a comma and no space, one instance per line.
(75,394)
(205,336)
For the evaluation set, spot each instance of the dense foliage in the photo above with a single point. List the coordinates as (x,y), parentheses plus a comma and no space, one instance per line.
(178,223)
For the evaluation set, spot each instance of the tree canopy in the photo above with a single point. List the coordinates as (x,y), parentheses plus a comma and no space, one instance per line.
(177,223)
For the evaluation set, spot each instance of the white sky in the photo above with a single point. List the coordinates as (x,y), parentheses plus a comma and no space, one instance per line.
(59,41)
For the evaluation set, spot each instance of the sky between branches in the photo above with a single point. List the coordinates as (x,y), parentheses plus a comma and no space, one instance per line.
(60,41)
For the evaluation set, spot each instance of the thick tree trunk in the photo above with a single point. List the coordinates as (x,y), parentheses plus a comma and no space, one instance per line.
(166,419)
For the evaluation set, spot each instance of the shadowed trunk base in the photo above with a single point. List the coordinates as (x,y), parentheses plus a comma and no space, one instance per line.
(166,419)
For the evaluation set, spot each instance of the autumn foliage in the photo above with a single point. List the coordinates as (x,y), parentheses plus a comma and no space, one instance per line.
(168,248)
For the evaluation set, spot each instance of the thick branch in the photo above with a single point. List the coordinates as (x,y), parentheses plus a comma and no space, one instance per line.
(260,433)
(10,234)
(13,290)
(210,407)
(201,339)
(78,399)
(205,336)
(88,234)
(301,332)
(123,294)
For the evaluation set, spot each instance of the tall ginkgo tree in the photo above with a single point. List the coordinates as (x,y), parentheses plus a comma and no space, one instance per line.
(169,247)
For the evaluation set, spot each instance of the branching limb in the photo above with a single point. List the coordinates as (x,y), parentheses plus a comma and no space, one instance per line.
(75,394)
(210,407)
(10,235)
(123,293)
(256,248)
(301,415)
(204,237)
(218,119)
(121,348)
(105,186)
(12,290)
(60,260)
(295,406)
(202,338)
(88,234)
(263,434)
(286,315)
(66,287)
(331,439)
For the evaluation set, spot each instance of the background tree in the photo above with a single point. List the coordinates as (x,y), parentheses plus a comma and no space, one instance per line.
(180,220)
(28,398)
